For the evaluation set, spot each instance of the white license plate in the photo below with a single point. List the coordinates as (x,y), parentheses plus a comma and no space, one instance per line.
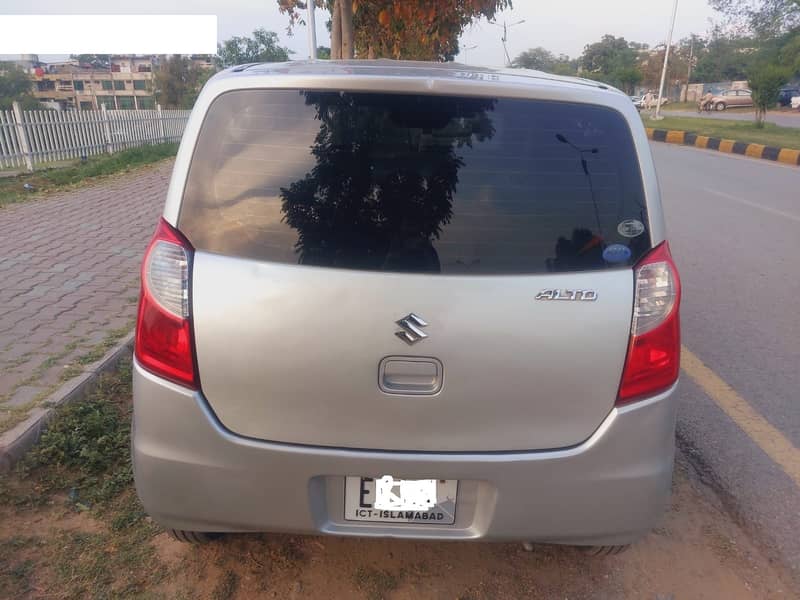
(389,500)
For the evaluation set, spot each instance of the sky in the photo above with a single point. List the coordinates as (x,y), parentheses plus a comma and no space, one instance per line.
(561,27)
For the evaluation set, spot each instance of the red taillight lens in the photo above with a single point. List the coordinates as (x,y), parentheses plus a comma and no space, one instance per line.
(654,352)
(163,330)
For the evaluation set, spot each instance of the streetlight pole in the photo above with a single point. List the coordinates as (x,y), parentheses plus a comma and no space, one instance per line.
(464,51)
(312,32)
(504,39)
(666,60)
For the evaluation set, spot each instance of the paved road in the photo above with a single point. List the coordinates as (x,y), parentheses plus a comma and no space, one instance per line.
(69,272)
(734,226)
(783,119)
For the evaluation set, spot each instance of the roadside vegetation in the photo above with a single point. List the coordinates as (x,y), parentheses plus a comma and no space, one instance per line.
(740,131)
(30,185)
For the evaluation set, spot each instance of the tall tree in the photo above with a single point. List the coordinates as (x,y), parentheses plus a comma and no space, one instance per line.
(262,47)
(724,57)
(764,82)
(178,82)
(410,29)
(15,86)
(542,59)
(613,60)
(765,18)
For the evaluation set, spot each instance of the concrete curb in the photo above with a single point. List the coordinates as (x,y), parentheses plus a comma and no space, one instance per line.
(15,442)
(786,156)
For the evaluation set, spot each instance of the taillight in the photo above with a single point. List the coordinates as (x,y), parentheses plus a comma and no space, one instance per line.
(163,330)
(654,351)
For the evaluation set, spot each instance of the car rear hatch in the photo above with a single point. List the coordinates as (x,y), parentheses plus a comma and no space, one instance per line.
(412,272)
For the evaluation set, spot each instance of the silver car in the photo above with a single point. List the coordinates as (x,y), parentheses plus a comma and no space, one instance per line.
(408,300)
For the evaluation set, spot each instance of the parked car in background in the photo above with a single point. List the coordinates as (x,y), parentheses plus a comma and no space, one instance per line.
(786,94)
(637,101)
(732,98)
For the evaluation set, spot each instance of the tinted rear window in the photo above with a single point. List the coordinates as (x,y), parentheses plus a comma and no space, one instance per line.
(415,183)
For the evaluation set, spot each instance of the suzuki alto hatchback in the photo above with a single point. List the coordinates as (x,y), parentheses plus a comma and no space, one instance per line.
(408,300)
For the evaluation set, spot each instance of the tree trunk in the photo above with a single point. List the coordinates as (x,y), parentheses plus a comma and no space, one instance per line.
(348,36)
(761,114)
(336,31)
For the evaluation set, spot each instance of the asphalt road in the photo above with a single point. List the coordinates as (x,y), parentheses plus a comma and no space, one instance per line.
(734,229)
(784,119)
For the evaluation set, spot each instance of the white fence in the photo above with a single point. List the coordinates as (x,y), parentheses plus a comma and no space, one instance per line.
(31,137)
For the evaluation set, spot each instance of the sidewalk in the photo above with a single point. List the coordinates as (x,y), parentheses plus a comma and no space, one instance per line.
(69,281)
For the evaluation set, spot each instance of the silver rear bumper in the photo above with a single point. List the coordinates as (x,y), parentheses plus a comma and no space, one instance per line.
(192,474)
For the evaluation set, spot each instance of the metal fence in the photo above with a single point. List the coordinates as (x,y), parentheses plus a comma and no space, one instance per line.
(31,137)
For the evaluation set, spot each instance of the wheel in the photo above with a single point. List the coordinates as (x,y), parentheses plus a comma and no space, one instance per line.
(720,106)
(604,550)
(193,537)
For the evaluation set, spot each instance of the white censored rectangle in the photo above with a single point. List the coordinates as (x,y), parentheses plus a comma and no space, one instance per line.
(108,34)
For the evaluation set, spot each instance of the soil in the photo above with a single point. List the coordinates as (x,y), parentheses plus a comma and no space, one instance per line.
(697,553)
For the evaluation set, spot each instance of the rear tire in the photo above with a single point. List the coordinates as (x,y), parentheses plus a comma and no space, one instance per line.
(193,537)
(599,551)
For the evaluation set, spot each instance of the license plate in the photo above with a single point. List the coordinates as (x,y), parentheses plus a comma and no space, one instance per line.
(389,500)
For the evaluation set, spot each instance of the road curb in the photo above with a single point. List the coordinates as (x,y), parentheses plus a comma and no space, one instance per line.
(15,442)
(786,156)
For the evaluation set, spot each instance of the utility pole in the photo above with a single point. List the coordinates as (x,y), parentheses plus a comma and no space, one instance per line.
(464,51)
(504,39)
(666,61)
(312,32)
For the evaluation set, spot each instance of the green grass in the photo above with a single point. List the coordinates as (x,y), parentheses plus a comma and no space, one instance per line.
(740,131)
(49,180)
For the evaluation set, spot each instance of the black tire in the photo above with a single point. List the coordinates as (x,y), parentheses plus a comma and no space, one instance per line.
(193,537)
(604,550)
(720,106)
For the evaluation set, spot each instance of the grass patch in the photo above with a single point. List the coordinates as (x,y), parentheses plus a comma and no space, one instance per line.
(48,180)
(740,131)
(86,449)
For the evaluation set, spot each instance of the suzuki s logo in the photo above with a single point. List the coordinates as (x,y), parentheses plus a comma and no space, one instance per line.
(411,329)
(573,295)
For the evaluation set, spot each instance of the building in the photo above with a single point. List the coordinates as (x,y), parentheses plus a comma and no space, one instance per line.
(125,83)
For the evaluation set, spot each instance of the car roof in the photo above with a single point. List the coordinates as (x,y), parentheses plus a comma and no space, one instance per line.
(385,68)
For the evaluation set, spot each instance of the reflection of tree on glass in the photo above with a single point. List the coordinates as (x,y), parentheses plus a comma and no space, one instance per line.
(383,184)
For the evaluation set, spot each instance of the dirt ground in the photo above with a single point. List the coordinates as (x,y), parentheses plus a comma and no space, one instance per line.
(71,527)
(697,553)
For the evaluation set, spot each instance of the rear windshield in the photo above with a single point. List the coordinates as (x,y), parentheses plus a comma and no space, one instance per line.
(415,183)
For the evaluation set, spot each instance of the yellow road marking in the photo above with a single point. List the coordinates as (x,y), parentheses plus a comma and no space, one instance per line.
(726,145)
(754,150)
(777,446)
(675,137)
(790,157)
(702,141)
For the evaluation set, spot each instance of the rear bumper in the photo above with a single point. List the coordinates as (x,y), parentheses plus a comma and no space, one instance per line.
(193,474)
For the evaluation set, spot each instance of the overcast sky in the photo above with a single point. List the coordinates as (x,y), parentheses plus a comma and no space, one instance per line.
(562,27)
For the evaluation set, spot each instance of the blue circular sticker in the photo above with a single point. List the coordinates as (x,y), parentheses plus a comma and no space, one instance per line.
(616,253)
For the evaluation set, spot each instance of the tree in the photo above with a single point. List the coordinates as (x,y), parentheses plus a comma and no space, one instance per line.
(725,57)
(764,82)
(178,82)
(765,18)
(613,60)
(411,29)
(15,86)
(262,47)
(542,59)
(96,61)
(323,52)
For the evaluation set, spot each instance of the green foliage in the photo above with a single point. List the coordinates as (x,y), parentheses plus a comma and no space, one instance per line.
(11,189)
(724,58)
(179,81)
(765,18)
(87,445)
(612,60)
(542,59)
(15,86)
(98,61)
(741,131)
(262,47)
(323,52)
(765,80)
